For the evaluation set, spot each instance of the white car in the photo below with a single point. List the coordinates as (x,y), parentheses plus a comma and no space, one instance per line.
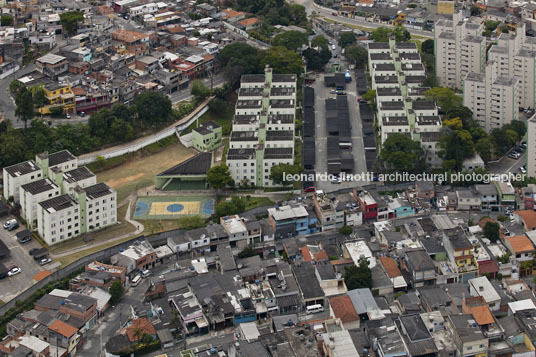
(14,271)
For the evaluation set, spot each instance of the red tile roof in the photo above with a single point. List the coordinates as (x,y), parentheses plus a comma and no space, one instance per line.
(142,323)
(488,266)
(529,217)
(249,22)
(343,308)
(390,267)
(41,275)
(520,244)
(63,328)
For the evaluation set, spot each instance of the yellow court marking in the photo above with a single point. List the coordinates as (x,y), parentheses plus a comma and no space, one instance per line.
(160,208)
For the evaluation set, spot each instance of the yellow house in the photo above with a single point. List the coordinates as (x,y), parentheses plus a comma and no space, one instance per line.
(58,95)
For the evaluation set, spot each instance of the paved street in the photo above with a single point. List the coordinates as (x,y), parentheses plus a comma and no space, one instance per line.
(12,286)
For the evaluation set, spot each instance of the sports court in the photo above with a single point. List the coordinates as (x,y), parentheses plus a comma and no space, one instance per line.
(172,207)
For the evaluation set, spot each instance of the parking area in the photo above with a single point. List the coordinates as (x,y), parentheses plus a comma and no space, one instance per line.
(321,133)
(10,287)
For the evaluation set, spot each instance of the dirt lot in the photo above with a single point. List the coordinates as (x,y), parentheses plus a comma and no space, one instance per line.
(139,170)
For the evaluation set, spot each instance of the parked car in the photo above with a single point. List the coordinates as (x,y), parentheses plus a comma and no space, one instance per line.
(82,114)
(45,261)
(11,224)
(309,189)
(146,273)
(14,271)
(523,170)
(68,116)
(24,240)
(514,155)
(32,251)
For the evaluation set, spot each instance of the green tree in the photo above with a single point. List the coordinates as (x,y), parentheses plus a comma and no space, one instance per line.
(280,173)
(237,59)
(475,10)
(382,34)
(316,60)
(492,231)
(356,54)
(346,230)
(402,154)
(219,177)
(358,277)
(236,205)
(116,291)
(428,46)
(346,39)
(25,106)
(370,97)
(199,90)
(456,144)
(247,252)
(6,20)
(138,333)
(519,127)
(444,97)
(15,85)
(484,148)
(282,60)
(191,222)
(153,107)
(39,97)
(291,40)
(69,21)
(320,42)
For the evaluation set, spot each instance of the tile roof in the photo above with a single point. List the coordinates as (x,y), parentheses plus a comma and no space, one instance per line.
(144,325)
(41,275)
(63,328)
(520,244)
(390,267)
(482,314)
(529,217)
(343,308)
(250,21)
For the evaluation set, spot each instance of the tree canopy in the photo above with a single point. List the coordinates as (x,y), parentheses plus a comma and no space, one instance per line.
(282,60)
(402,154)
(356,54)
(219,177)
(116,291)
(6,20)
(291,40)
(346,39)
(358,277)
(428,46)
(69,21)
(279,173)
(199,89)
(275,12)
(492,231)
(236,205)
(382,34)
(320,41)
(316,60)
(25,106)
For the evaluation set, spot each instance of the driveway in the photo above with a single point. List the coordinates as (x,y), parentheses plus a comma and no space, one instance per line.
(11,287)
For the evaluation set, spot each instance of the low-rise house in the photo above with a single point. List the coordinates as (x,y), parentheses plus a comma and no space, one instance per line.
(140,256)
(52,65)
(420,267)
(289,221)
(236,230)
(520,247)
(64,335)
(527,218)
(207,137)
(488,196)
(506,194)
(469,339)
(418,338)
(482,287)
(468,200)
(311,292)
(460,253)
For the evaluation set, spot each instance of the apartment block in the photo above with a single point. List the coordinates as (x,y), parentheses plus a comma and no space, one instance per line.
(459,49)
(58,219)
(493,98)
(98,205)
(19,174)
(31,194)
(397,73)
(531,147)
(263,127)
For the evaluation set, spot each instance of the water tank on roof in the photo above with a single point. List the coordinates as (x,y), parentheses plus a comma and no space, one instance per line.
(63,302)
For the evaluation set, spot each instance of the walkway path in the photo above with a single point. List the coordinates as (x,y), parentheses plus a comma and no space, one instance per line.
(141,142)
(139,229)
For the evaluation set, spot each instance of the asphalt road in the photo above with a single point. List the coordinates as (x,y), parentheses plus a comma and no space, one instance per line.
(12,286)
(310,6)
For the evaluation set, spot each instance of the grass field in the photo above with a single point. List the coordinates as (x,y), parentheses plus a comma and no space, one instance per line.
(222,119)
(139,169)
(254,202)
(100,236)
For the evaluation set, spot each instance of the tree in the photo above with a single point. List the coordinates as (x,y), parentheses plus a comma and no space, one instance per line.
(138,333)
(402,154)
(153,107)
(492,231)
(147,338)
(219,177)
(69,21)
(116,291)
(316,60)
(231,207)
(382,34)
(25,106)
(357,54)
(444,97)
(15,85)
(370,97)
(237,59)
(456,144)
(6,20)
(346,39)
(191,222)
(428,46)
(246,253)
(346,230)
(475,10)
(281,174)
(484,148)
(519,127)
(358,277)
(199,90)
(282,60)
(291,40)
(320,42)
(39,97)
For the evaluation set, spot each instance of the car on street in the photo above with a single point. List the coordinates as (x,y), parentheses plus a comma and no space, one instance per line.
(68,116)
(524,144)
(514,155)
(32,251)
(14,270)
(45,261)
(523,169)
(309,189)
(333,91)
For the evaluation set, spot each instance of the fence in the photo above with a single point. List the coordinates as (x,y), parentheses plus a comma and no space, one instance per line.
(148,140)
(155,240)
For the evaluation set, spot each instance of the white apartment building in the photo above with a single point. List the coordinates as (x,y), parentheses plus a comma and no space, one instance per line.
(493,98)
(19,174)
(531,147)
(144,9)
(81,177)
(98,205)
(459,49)
(58,219)
(59,161)
(263,127)
(31,194)
(397,74)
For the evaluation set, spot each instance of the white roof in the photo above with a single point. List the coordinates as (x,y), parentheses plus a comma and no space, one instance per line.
(33,343)
(360,249)
(194,59)
(60,293)
(340,344)
(287,212)
(170,56)
(521,305)
(483,287)
(250,331)
(200,265)
(51,58)
(234,225)
(103,297)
